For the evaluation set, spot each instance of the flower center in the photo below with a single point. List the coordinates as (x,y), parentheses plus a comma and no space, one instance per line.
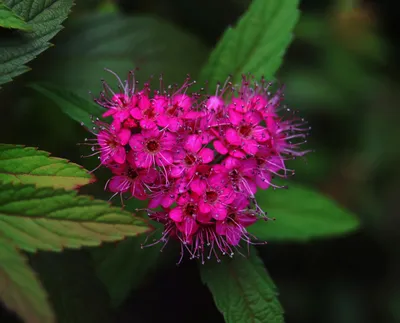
(234,176)
(172,110)
(245,131)
(190,159)
(203,171)
(231,218)
(149,113)
(190,209)
(153,146)
(122,102)
(111,143)
(211,196)
(132,173)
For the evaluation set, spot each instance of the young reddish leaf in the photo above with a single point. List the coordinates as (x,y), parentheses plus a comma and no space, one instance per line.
(20,290)
(25,165)
(44,218)
(242,289)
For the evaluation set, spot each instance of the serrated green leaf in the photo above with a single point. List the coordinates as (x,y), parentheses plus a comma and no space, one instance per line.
(256,45)
(9,19)
(47,219)
(26,165)
(242,290)
(20,290)
(121,43)
(71,104)
(123,268)
(75,292)
(45,18)
(301,214)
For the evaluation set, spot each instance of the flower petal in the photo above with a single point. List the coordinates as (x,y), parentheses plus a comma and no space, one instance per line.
(250,147)
(143,160)
(119,155)
(219,213)
(193,143)
(206,155)
(176,214)
(233,235)
(136,142)
(118,184)
(204,207)
(235,117)
(198,186)
(220,147)
(124,135)
(232,137)
(164,158)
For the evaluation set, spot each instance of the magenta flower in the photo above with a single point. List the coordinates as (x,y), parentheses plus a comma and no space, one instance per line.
(174,112)
(145,112)
(153,147)
(112,145)
(234,226)
(187,217)
(129,178)
(163,194)
(241,174)
(199,182)
(192,154)
(119,106)
(216,198)
(198,158)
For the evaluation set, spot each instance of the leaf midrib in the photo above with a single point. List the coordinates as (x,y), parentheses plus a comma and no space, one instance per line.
(254,46)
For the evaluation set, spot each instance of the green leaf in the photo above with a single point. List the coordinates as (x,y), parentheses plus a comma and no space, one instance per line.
(45,18)
(8,19)
(75,292)
(301,214)
(44,218)
(123,268)
(25,165)
(71,104)
(256,45)
(242,289)
(121,43)
(20,289)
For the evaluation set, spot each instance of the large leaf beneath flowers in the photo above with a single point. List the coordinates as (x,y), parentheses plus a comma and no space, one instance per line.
(257,44)
(44,18)
(9,19)
(301,214)
(121,43)
(124,266)
(44,218)
(19,164)
(76,107)
(242,290)
(20,290)
(76,294)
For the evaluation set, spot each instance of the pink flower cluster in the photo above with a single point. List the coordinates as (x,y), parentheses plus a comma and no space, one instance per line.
(198,159)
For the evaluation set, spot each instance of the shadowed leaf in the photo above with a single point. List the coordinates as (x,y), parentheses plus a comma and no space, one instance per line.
(20,290)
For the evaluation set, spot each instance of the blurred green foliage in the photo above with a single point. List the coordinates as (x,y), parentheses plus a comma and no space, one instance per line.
(335,74)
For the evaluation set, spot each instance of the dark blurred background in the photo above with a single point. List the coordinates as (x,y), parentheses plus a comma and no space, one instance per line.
(341,72)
